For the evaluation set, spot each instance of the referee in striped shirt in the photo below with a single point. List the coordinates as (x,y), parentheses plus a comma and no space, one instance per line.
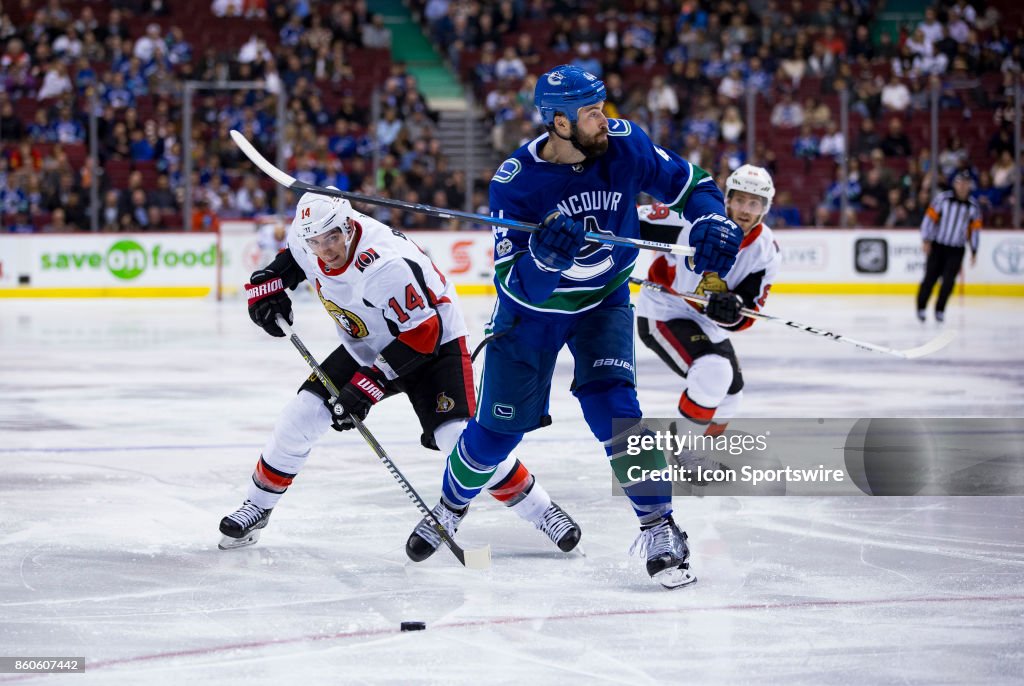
(952,220)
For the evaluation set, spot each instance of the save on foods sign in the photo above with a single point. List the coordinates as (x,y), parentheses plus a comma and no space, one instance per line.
(120,260)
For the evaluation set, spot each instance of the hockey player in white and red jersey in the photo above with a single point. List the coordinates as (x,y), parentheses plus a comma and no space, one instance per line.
(693,340)
(401,331)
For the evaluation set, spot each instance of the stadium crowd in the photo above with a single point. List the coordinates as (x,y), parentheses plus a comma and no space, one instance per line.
(683,70)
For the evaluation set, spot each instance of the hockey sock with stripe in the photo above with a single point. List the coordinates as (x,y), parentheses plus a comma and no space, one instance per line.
(472,463)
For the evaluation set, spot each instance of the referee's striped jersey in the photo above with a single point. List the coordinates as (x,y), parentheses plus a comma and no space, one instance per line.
(952,222)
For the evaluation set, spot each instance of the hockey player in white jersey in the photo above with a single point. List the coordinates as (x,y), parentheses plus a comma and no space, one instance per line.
(693,340)
(401,331)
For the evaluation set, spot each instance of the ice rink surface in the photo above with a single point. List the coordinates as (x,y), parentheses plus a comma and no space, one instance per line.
(129,428)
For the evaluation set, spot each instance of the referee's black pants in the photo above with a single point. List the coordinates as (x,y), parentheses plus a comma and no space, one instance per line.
(943,261)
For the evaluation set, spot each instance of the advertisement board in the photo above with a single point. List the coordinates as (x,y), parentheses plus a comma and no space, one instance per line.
(185,264)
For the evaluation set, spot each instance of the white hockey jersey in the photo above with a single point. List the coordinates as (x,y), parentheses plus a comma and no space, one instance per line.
(751,277)
(387,289)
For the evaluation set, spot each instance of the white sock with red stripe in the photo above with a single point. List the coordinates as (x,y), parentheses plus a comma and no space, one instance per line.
(301,423)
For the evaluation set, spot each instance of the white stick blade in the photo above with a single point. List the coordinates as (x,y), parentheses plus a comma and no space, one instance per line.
(934,345)
(478,559)
(260,161)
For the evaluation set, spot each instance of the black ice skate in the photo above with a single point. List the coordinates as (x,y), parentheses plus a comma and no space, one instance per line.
(242,527)
(667,553)
(424,539)
(559,527)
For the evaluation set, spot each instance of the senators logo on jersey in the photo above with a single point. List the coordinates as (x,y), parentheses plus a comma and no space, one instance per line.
(348,320)
(444,403)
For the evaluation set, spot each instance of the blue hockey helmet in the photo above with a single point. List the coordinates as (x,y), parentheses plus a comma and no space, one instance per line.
(565,89)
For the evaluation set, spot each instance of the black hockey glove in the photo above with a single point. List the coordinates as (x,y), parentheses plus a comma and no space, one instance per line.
(554,246)
(267,299)
(724,308)
(716,240)
(364,390)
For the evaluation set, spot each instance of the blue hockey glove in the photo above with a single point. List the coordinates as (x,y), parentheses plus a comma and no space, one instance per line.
(717,240)
(724,308)
(554,247)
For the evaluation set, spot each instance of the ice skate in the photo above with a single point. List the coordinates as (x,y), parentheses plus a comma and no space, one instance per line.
(424,539)
(921,315)
(559,527)
(667,553)
(242,527)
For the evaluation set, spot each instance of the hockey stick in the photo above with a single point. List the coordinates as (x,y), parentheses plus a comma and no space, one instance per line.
(936,344)
(291,182)
(479,558)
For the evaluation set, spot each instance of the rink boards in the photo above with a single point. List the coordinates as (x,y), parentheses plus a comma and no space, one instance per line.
(821,261)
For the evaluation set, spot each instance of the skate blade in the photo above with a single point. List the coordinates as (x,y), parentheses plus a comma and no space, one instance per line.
(228,543)
(676,577)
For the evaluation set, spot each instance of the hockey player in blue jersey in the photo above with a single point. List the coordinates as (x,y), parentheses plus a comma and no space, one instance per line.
(556,289)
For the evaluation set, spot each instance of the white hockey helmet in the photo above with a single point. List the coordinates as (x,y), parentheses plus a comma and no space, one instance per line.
(754,180)
(317,214)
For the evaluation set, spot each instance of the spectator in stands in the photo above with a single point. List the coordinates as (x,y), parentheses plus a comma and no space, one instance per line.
(151,46)
(376,34)
(41,130)
(896,142)
(875,196)
(732,86)
(162,197)
(110,210)
(58,223)
(987,195)
(817,113)
(867,139)
(56,81)
(787,113)
(783,212)
(930,29)
(833,144)
(203,217)
(586,61)
(731,126)
(821,63)
(1004,172)
(895,96)
(11,127)
(805,146)
(510,66)
(953,156)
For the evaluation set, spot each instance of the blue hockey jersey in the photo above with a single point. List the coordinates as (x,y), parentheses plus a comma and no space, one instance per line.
(600,193)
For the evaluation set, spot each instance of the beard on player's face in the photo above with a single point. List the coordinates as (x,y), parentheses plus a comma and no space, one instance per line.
(592,146)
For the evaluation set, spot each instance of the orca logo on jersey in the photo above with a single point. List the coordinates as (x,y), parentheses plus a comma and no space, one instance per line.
(507,171)
(593,259)
(503,411)
(349,321)
(366,258)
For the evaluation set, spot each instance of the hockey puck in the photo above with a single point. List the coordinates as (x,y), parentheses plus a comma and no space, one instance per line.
(414,626)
